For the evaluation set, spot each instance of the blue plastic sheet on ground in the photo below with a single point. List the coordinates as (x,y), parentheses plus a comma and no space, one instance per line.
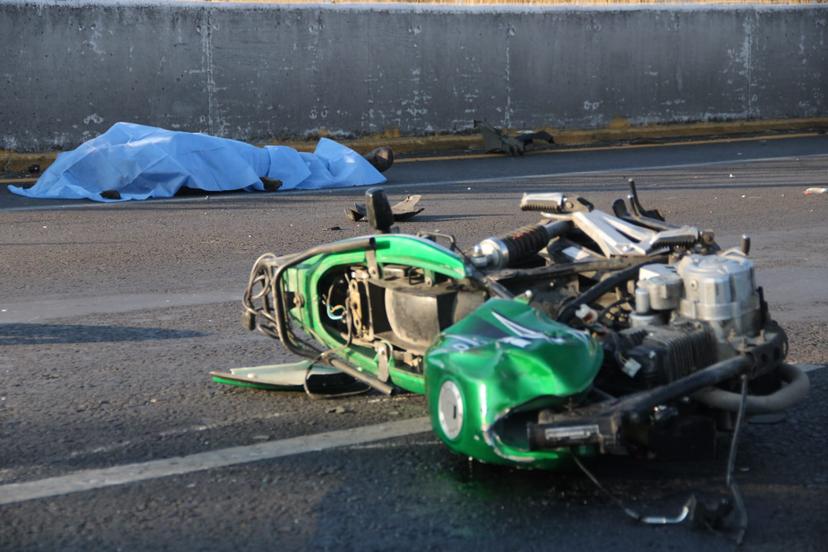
(141,162)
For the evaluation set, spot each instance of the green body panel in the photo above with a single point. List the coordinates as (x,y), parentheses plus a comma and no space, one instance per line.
(252,385)
(504,356)
(397,249)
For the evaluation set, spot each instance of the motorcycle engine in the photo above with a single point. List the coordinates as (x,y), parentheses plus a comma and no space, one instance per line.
(689,315)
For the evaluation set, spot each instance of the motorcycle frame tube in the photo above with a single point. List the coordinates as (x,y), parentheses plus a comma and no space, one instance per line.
(302,274)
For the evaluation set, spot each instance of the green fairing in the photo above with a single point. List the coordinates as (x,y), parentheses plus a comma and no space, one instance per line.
(390,249)
(503,356)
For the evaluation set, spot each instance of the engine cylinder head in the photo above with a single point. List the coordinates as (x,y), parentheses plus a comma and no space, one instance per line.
(720,289)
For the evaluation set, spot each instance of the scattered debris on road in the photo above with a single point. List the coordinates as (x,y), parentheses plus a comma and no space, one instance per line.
(496,140)
(402,211)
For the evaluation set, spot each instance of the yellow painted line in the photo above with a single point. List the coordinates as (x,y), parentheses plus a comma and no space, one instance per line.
(17,180)
(616,147)
(455,157)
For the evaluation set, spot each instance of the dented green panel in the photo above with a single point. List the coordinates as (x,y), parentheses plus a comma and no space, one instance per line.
(503,356)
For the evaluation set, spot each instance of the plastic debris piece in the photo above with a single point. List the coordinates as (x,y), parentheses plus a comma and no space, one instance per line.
(402,210)
(814,191)
(290,376)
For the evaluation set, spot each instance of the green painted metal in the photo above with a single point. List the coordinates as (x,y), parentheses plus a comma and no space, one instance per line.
(249,384)
(398,249)
(504,356)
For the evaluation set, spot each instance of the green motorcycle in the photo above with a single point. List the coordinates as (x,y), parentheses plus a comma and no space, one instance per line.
(586,333)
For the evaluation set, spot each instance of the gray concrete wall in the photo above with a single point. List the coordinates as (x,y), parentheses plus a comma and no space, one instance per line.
(70,69)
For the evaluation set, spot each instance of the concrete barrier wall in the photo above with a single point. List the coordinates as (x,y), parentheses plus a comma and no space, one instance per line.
(70,69)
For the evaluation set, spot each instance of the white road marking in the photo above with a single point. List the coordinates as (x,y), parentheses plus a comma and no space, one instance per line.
(87,480)
(356,438)
(374,446)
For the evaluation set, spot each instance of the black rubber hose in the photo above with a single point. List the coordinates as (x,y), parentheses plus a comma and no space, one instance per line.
(604,286)
(795,391)
(579,267)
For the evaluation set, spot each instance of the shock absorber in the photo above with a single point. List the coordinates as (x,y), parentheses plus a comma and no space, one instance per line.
(517,246)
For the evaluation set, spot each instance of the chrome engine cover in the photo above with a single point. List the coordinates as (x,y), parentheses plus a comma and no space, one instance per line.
(721,290)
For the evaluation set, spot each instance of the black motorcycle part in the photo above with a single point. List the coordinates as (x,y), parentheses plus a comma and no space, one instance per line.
(525,242)
(380,216)
(605,423)
(638,209)
(667,353)
(604,286)
(684,438)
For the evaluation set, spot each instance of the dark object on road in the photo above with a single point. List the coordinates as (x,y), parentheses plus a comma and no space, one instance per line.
(271,184)
(381,158)
(496,140)
(34,169)
(111,194)
(402,211)
(586,333)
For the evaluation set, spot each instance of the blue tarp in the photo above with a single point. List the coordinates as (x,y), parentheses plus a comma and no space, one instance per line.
(141,162)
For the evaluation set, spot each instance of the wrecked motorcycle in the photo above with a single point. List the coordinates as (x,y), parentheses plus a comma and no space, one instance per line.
(585,333)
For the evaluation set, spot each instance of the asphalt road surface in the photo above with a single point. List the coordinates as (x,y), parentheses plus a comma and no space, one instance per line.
(111,317)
